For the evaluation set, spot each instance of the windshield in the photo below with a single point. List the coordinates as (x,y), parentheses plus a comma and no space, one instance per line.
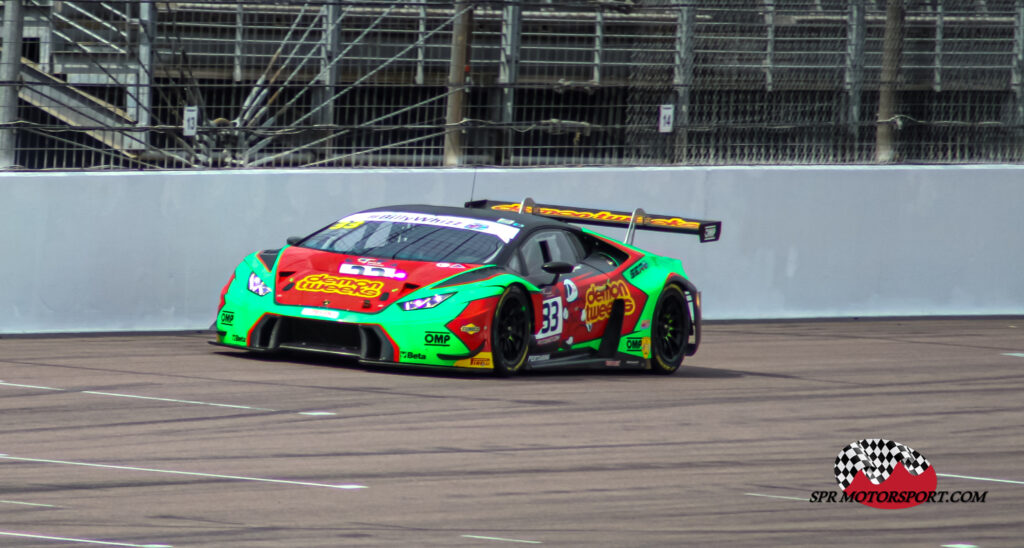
(414,237)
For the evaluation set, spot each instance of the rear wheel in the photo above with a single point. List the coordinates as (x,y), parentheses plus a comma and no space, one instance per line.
(670,331)
(510,331)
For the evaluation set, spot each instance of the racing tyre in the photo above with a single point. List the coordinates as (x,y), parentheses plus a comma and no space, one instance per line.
(510,332)
(670,331)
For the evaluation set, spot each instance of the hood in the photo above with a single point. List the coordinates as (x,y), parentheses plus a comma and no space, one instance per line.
(314,278)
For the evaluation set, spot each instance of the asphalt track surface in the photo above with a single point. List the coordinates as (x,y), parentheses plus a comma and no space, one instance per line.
(164,440)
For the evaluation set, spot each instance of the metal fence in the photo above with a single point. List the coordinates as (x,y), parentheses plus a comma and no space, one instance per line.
(158,85)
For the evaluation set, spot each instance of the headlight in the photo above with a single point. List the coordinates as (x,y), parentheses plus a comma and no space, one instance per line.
(425,302)
(257,286)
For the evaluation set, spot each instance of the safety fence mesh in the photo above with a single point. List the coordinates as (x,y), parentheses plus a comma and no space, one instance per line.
(330,83)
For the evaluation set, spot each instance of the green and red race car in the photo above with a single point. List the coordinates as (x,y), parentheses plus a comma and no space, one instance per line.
(493,285)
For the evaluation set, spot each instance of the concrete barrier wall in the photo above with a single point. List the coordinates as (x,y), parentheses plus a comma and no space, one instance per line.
(151,250)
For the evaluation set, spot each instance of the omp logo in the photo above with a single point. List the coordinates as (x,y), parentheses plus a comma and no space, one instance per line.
(600,297)
(436,338)
(226,317)
(596,215)
(639,344)
(325,283)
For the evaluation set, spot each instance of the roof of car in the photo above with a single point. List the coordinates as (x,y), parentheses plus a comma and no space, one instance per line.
(528,221)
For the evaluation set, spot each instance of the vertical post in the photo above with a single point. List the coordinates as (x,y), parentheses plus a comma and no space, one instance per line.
(682,80)
(421,50)
(508,71)
(330,48)
(138,140)
(939,27)
(769,60)
(236,74)
(855,21)
(1017,69)
(598,45)
(892,46)
(457,69)
(10,73)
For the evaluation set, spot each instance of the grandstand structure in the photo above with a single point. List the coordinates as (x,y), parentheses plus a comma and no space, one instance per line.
(423,83)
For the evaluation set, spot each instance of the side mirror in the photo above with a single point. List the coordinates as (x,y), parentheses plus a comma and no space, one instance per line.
(292,240)
(558,267)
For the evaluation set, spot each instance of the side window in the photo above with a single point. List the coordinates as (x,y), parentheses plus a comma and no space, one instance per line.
(545,246)
(601,256)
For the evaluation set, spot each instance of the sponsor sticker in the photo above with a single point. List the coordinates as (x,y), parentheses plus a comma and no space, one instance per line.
(450,265)
(469,328)
(227,317)
(637,269)
(599,300)
(504,232)
(320,313)
(639,344)
(325,283)
(237,338)
(436,338)
(571,291)
(346,225)
(257,286)
(373,270)
(413,356)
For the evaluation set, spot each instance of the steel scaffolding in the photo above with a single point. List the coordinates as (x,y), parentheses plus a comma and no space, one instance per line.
(421,83)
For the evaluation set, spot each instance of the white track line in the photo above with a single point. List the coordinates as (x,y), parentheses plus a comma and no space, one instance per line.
(190,402)
(84,540)
(183,473)
(504,539)
(27,503)
(776,497)
(169,400)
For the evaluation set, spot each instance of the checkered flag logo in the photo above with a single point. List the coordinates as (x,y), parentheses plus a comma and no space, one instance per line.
(877,458)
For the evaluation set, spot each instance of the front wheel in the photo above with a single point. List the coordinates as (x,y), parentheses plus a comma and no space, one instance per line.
(510,332)
(670,332)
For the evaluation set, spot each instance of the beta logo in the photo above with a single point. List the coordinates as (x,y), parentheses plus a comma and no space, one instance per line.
(436,338)
(881,473)
(413,356)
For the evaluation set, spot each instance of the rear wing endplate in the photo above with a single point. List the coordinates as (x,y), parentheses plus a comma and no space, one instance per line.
(708,231)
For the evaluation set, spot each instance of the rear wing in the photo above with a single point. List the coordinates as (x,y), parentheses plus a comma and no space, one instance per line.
(709,231)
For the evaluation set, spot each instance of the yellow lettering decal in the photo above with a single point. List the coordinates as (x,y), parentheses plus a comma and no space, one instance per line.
(674,222)
(325,283)
(600,298)
(345,224)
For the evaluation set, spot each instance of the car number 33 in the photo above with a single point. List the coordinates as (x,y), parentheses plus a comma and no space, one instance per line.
(551,318)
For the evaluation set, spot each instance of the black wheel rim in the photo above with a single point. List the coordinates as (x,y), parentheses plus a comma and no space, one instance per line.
(511,331)
(670,331)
